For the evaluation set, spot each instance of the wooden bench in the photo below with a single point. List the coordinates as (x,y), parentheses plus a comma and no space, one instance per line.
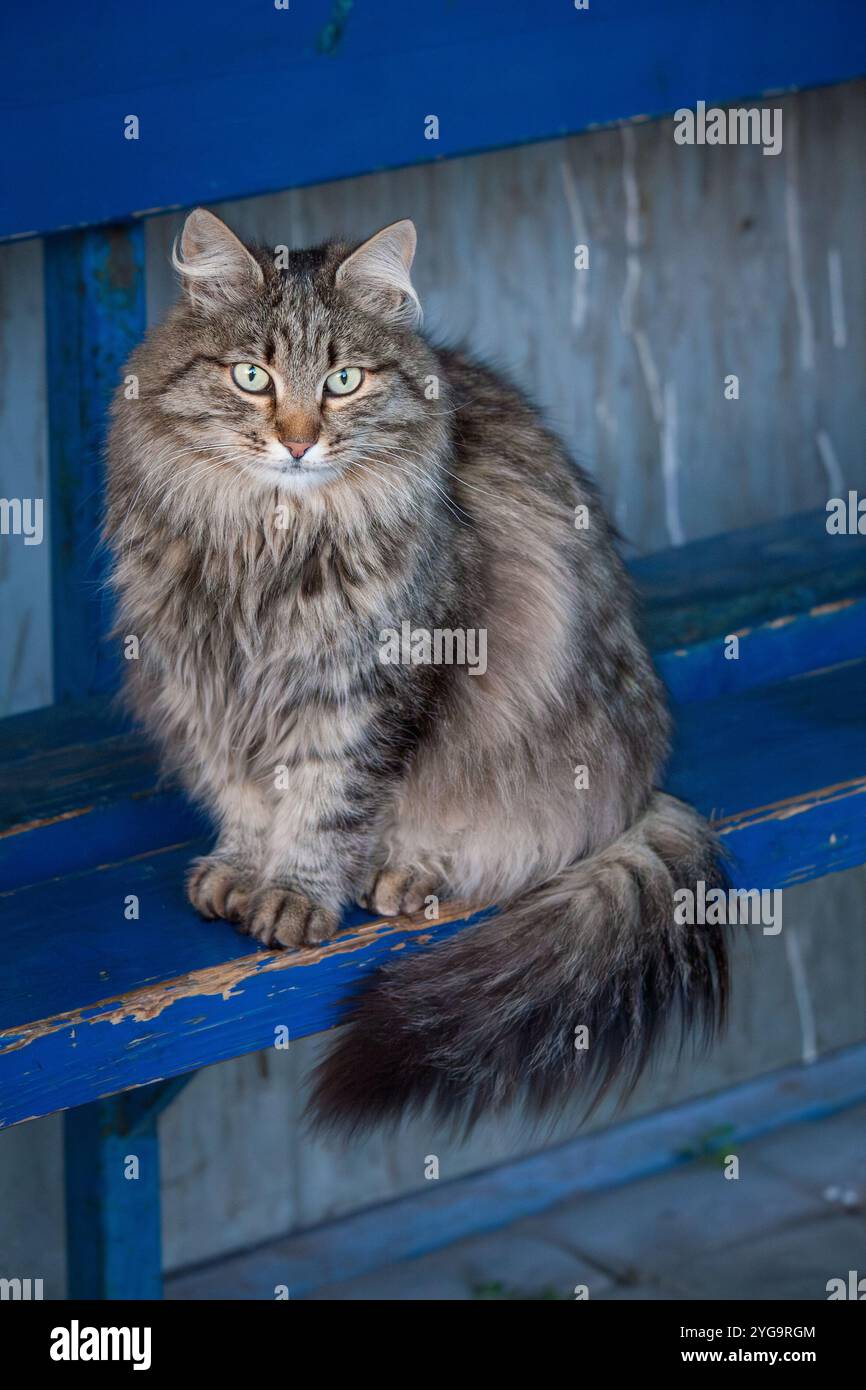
(104,1014)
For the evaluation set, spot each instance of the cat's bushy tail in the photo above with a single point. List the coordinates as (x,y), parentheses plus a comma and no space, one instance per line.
(490,1015)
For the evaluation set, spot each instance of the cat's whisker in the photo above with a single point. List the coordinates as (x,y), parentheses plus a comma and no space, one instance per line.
(197,470)
(163,461)
(414,501)
(389,482)
(395,462)
(474,487)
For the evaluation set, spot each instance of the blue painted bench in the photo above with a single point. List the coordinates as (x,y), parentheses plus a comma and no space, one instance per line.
(92,1004)
(105,1017)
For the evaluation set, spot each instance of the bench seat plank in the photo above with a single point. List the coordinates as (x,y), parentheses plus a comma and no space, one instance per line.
(91,1003)
(747,577)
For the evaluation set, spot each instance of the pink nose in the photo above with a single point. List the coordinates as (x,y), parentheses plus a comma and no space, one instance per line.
(296,449)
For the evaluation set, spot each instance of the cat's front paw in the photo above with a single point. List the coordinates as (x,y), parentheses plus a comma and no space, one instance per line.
(281,916)
(398,892)
(218,887)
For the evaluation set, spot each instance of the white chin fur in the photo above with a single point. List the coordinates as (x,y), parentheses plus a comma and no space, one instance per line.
(279,468)
(294,479)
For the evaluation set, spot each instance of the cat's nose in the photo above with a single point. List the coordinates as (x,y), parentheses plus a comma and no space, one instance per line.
(297,448)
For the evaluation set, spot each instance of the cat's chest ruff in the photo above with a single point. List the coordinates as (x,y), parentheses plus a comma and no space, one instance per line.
(240,613)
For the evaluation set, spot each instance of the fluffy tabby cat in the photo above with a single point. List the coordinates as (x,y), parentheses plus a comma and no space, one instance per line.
(301,471)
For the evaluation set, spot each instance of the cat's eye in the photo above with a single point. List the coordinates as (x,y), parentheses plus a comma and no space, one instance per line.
(249,377)
(345,381)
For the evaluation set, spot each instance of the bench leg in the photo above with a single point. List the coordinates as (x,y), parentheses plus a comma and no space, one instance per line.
(113,1236)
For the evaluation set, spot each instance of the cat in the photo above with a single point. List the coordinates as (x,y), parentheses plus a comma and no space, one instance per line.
(302,473)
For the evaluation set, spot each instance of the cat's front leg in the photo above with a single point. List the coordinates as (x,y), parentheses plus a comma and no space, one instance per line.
(273,872)
(323,826)
(220,884)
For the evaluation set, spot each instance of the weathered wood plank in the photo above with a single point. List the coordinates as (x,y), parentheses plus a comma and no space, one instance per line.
(177,1024)
(94,317)
(226,129)
(823,636)
(91,1003)
(747,578)
(25,569)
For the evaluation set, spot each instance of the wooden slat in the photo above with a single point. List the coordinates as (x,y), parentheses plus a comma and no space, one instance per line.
(270,99)
(747,578)
(781,770)
(91,1003)
(824,635)
(94,317)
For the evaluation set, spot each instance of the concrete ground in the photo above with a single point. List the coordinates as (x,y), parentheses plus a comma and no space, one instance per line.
(794,1218)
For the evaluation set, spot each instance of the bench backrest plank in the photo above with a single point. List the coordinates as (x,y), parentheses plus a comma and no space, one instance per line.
(234,101)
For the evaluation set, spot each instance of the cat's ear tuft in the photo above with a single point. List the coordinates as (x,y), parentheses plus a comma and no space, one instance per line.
(376,275)
(215,266)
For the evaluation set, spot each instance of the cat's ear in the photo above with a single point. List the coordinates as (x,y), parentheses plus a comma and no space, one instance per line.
(215,266)
(376,275)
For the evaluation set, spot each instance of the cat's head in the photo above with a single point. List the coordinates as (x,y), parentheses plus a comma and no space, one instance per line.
(293,370)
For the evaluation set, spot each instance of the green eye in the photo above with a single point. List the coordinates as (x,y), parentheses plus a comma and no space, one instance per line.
(249,377)
(345,381)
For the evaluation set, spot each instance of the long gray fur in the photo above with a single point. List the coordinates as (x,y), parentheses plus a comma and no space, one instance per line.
(260,589)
